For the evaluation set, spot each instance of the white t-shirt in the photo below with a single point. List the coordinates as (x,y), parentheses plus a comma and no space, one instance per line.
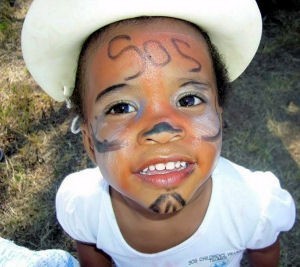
(246,210)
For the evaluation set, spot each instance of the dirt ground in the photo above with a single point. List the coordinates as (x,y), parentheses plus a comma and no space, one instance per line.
(261,131)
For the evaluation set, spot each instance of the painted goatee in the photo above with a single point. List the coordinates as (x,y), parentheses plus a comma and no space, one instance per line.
(167,203)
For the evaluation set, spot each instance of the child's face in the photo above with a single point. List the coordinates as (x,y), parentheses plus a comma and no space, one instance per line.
(153,122)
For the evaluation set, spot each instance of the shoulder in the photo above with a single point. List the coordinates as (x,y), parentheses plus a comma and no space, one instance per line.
(81,183)
(266,208)
(78,203)
(260,183)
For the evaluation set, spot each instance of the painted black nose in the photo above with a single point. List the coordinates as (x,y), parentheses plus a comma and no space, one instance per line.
(162,132)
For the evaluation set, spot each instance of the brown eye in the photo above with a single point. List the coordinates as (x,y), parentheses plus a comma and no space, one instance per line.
(189,100)
(120,108)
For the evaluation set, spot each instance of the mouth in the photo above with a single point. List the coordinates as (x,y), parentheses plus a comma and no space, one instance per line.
(164,167)
(166,174)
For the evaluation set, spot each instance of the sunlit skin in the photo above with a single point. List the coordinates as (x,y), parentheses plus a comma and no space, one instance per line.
(151,98)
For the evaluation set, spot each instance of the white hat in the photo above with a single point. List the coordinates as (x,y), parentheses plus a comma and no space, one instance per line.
(54,31)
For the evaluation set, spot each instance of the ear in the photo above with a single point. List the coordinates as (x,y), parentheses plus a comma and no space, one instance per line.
(221,111)
(88,141)
(223,122)
(219,108)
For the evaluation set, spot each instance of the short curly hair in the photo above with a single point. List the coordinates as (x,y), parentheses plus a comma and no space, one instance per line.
(91,43)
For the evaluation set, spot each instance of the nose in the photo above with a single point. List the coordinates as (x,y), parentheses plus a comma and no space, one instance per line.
(161,133)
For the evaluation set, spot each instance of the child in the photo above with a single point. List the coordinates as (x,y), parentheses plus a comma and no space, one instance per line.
(149,89)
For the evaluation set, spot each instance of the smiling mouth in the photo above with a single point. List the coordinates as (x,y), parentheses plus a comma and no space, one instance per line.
(166,175)
(162,168)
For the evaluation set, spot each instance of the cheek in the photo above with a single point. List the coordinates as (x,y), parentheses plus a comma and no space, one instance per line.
(207,127)
(115,163)
(108,130)
(208,156)
(207,142)
(110,136)
(115,168)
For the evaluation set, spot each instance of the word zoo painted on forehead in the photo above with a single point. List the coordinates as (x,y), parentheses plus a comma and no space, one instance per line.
(177,43)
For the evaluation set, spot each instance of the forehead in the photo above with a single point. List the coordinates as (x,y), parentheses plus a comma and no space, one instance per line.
(145,26)
(162,46)
(143,29)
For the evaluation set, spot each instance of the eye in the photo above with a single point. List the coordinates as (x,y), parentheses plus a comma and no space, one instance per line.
(189,100)
(120,108)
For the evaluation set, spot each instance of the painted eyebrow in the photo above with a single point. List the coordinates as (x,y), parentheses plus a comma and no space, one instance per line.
(109,89)
(204,86)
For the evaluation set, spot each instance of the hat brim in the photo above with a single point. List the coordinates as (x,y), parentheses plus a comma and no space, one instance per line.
(54,31)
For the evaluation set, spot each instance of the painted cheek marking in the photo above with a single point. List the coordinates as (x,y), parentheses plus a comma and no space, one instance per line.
(162,127)
(217,136)
(213,138)
(105,146)
(167,203)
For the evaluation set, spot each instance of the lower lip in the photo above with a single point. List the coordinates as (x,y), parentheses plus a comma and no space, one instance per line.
(170,179)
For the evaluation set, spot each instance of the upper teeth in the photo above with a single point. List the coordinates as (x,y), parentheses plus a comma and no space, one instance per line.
(166,166)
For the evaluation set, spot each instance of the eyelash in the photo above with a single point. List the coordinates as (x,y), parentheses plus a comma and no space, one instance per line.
(108,110)
(202,100)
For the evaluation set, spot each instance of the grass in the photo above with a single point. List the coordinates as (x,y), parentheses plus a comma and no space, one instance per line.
(263,115)
(262,131)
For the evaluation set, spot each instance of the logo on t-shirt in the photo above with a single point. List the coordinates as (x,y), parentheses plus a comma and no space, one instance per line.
(216,260)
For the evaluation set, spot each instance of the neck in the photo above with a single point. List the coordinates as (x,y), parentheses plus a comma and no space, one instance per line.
(199,201)
(138,224)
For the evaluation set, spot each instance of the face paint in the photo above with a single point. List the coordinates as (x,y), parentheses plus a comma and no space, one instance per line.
(157,54)
(105,146)
(146,71)
(199,103)
(217,136)
(209,128)
(177,43)
(152,52)
(213,138)
(154,45)
(129,48)
(167,203)
(162,127)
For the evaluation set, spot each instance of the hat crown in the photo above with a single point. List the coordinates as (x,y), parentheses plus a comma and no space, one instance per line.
(54,31)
